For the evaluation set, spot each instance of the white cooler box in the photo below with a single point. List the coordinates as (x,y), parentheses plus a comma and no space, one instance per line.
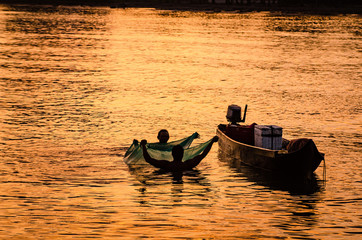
(268,136)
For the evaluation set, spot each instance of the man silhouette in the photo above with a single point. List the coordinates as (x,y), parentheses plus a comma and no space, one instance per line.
(163,136)
(177,153)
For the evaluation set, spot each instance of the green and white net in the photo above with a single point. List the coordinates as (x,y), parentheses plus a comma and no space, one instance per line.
(163,151)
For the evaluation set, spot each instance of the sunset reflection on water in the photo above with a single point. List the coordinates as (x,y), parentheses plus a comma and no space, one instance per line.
(79,84)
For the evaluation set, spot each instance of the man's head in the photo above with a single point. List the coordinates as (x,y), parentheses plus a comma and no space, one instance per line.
(163,136)
(177,153)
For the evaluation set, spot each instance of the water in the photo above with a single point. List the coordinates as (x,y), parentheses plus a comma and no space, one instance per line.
(79,84)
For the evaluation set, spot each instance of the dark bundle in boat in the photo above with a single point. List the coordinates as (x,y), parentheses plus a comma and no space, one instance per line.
(262,146)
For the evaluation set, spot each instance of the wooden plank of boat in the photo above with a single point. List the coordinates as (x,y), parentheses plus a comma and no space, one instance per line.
(301,162)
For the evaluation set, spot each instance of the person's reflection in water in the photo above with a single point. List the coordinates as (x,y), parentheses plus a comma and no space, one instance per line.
(194,176)
(177,177)
(148,178)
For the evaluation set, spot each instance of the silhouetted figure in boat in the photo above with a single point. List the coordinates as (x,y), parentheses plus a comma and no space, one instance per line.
(177,153)
(162,136)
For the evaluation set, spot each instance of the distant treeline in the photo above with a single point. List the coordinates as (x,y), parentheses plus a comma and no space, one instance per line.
(185,2)
(60,2)
(321,2)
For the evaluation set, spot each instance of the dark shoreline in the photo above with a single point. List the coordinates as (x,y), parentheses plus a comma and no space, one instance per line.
(321,10)
(304,9)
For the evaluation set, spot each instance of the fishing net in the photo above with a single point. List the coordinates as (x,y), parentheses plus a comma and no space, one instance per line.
(163,151)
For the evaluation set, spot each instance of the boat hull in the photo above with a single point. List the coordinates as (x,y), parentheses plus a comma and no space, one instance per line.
(299,163)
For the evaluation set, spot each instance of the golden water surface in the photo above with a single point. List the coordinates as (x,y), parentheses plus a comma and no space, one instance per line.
(78,84)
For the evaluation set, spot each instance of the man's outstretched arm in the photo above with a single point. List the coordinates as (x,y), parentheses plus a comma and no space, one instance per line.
(196,160)
(152,161)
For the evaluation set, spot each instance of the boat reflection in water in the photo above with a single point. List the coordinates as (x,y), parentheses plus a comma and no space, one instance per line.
(274,180)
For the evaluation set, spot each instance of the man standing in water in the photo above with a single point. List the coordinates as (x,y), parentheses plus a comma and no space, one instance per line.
(162,137)
(177,153)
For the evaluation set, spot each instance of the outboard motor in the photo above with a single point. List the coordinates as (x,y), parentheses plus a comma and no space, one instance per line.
(233,114)
(237,132)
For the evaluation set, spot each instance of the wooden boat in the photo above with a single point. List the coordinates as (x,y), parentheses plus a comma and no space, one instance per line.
(299,162)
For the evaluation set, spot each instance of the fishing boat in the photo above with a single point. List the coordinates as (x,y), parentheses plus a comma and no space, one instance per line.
(298,157)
